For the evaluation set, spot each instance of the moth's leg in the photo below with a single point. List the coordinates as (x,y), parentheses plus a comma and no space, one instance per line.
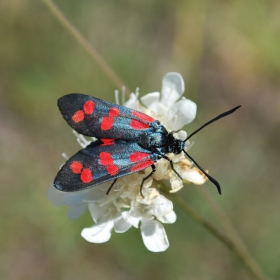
(145,178)
(172,166)
(112,186)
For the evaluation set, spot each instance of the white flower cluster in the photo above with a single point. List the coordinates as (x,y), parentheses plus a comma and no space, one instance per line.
(124,206)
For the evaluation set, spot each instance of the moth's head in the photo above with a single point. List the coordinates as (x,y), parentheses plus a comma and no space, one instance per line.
(179,139)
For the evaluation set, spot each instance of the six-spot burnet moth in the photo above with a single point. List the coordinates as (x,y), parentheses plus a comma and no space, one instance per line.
(127,141)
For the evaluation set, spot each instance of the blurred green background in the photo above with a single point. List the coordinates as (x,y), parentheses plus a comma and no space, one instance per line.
(228,53)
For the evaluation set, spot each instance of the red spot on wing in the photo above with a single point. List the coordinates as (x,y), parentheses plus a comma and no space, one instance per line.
(89,107)
(78,116)
(106,158)
(114,112)
(107,140)
(138,125)
(143,117)
(137,156)
(112,170)
(76,167)
(107,123)
(142,165)
(86,175)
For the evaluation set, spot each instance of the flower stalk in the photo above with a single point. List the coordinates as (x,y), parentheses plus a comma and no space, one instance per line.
(242,254)
(105,68)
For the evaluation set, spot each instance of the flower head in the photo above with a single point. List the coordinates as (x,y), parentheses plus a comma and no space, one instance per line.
(124,206)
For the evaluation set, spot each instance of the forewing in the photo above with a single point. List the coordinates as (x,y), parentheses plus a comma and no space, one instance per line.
(91,116)
(99,163)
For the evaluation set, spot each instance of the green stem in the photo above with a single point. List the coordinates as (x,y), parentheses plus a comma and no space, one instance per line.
(243,256)
(229,228)
(85,44)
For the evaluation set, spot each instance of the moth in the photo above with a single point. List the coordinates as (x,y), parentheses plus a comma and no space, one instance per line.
(127,141)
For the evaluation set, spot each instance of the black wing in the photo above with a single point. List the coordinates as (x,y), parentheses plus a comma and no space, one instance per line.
(98,163)
(91,116)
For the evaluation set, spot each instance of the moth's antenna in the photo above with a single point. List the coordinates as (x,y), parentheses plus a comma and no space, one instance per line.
(213,120)
(207,175)
(192,134)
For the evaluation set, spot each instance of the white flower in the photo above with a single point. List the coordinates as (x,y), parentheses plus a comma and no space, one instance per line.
(124,206)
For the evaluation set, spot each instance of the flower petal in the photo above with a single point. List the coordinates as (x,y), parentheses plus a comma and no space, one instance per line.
(185,110)
(121,225)
(73,199)
(182,135)
(154,236)
(176,184)
(130,219)
(194,175)
(55,196)
(132,102)
(149,99)
(173,87)
(161,206)
(76,211)
(95,210)
(170,218)
(100,232)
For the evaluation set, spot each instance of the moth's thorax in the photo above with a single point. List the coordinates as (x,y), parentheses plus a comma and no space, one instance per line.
(153,140)
(157,138)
